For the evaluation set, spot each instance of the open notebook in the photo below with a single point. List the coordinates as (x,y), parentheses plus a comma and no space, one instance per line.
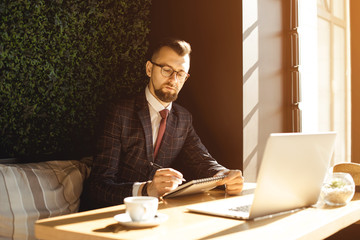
(290,177)
(195,186)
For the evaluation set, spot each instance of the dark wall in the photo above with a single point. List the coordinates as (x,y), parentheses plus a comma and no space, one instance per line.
(213,93)
(355,83)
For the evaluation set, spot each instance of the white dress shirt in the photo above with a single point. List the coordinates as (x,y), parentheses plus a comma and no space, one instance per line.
(154,108)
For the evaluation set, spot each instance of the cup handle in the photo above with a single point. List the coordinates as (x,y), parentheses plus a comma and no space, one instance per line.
(146,209)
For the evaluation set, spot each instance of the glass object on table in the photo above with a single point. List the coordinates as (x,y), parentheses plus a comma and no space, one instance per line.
(338,189)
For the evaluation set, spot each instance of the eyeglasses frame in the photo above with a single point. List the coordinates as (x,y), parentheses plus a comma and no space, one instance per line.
(176,72)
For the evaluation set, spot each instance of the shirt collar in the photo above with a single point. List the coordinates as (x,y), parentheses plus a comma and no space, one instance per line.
(154,102)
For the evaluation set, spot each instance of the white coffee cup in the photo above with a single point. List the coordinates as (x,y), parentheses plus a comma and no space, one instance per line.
(141,208)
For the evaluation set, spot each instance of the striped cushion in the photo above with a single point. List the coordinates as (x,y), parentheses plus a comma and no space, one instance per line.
(32,191)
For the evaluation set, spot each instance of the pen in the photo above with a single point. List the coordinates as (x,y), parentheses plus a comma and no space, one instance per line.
(159,166)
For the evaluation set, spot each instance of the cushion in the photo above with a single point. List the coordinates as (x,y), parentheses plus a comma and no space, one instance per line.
(32,191)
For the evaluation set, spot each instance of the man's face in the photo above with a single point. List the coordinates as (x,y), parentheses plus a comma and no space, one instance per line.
(166,89)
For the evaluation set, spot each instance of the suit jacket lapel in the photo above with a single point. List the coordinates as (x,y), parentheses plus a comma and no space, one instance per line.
(144,116)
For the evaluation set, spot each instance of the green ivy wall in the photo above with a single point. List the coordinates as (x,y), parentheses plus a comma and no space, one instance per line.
(60,61)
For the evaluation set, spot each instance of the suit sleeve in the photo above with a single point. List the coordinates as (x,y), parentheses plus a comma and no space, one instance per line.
(103,189)
(195,157)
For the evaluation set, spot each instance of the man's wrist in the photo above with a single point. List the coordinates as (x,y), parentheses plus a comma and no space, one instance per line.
(144,189)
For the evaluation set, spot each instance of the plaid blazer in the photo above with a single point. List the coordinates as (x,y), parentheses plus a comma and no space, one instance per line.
(125,151)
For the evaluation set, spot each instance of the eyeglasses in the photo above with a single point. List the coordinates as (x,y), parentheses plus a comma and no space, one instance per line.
(168,71)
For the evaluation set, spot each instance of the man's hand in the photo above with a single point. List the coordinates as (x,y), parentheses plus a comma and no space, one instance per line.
(233,181)
(165,180)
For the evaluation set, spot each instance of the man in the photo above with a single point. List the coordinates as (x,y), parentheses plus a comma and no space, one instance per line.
(129,163)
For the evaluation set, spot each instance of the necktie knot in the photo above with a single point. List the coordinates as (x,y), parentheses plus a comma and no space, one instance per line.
(164,113)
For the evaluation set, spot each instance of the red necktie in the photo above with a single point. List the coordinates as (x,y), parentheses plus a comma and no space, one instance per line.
(164,113)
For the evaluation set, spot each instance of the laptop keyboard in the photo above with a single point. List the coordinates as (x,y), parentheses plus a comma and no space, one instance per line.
(243,208)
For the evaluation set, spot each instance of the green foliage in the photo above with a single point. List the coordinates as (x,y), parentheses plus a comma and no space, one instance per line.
(337,184)
(59,62)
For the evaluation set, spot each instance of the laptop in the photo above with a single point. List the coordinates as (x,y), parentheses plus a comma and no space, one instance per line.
(290,177)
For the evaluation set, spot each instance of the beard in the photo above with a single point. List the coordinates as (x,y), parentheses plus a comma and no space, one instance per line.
(165,96)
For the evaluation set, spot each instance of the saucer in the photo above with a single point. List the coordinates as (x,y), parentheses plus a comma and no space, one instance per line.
(125,220)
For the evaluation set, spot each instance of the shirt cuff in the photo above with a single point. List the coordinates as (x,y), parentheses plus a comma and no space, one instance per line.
(135,188)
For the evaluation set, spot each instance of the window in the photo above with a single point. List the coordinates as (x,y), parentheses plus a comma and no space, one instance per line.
(324,68)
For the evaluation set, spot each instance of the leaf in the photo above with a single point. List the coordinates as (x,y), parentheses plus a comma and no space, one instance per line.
(59,62)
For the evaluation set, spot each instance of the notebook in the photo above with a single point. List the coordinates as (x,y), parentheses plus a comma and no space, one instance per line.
(195,186)
(290,177)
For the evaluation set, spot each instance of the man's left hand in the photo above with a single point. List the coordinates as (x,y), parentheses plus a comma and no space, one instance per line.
(233,181)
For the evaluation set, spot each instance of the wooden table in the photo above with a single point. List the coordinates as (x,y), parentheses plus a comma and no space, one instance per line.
(311,223)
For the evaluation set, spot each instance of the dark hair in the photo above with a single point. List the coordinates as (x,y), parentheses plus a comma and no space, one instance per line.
(181,47)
